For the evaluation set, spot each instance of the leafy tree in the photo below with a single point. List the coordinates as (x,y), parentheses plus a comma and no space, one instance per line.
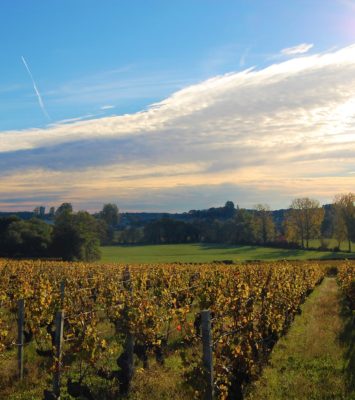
(30,238)
(76,236)
(109,217)
(5,222)
(235,230)
(263,224)
(110,214)
(303,220)
(106,235)
(167,230)
(243,228)
(152,232)
(340,232)
(65,238)
(87,229)
(209,231)
(229,209)
(64,208)
(226,232)
(131,235)
(345,216)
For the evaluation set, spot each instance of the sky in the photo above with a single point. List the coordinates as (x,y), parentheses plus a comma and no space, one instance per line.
(175,105)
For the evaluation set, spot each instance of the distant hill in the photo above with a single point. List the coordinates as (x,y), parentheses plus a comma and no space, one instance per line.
(20,214)
(138,219)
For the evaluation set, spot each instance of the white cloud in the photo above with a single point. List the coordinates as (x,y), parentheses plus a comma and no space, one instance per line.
(107,107)
(300,49)
(282,131)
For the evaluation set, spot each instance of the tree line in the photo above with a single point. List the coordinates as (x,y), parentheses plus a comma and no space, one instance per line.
(72,236)
(79,235)
(304,221)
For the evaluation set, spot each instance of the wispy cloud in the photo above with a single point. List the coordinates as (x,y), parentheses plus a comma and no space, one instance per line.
(107,107)
(10,88)
(299,49)
(229,57)
(71,120)
(38,94)
(243,57)
(271,134)
(118,86)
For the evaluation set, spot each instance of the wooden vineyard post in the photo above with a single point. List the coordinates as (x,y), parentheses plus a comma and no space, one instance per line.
(20,325)
(62,293)
(59,324)
(207,352)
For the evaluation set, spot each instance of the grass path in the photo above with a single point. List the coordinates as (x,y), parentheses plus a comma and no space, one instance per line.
(315,360)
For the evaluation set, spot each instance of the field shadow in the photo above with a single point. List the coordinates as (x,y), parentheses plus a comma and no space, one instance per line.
(347,339)
(252,252)
(272,253)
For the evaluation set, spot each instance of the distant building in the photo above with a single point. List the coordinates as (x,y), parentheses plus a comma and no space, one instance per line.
(39,211)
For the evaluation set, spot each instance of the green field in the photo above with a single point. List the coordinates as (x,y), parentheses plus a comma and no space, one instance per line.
(207,253)
(331,243)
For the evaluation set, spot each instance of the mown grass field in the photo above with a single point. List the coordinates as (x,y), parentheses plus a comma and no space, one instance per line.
(315,360)
(146,254)
(331,243)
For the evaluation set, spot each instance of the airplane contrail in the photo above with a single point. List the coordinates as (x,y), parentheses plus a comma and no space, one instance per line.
(40,101)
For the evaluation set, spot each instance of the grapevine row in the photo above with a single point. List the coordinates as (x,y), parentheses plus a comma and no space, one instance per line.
(251,307)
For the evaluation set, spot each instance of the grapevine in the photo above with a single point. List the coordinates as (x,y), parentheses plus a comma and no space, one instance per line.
(159,306)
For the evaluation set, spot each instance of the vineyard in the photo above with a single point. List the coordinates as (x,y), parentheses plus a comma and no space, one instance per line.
(95,327)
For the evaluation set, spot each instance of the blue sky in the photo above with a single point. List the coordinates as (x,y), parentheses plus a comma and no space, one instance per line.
(85,55)
(105,61)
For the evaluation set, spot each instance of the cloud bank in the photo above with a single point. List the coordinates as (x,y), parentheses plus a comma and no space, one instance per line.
(257,135)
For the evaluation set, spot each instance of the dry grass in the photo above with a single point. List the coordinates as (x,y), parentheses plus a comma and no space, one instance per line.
(161,383)
(34,381)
